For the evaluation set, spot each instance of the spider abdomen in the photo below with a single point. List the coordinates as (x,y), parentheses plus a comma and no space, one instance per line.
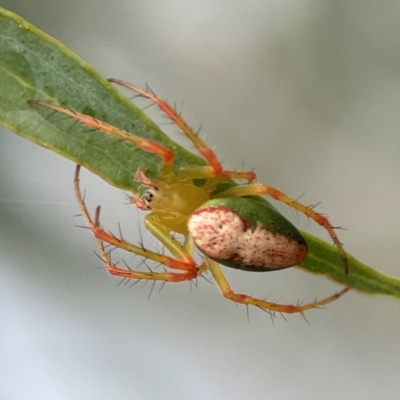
(246,234)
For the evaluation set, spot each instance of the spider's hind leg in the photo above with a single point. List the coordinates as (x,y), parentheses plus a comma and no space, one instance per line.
(268,306)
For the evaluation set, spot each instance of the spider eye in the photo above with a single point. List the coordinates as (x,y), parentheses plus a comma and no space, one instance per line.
(148,196)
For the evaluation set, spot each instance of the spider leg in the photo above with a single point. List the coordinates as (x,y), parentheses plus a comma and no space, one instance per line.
(215,168)
(183,262)
(167,155)
(129,273)
(272,307)
(262,189)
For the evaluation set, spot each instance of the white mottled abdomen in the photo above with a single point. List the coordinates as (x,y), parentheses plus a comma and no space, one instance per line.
(222,234)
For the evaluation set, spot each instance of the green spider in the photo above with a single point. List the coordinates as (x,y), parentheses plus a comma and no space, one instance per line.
(228,228)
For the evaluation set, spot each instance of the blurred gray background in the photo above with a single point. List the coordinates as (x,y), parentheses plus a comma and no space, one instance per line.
(305,92)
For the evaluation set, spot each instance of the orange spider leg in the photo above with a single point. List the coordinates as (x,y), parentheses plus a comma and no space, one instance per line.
(166,154)
(228,293)
(150,276)
(262,189)
(215,168)
(184,262)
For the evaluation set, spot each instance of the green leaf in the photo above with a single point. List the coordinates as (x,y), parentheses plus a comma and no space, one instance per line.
(36,66)
(324,259)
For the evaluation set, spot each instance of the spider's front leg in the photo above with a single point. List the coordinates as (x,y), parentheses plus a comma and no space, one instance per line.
(214,169)
(166,154)
(183,262)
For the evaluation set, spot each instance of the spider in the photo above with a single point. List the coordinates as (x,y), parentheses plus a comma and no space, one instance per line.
(227,227)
